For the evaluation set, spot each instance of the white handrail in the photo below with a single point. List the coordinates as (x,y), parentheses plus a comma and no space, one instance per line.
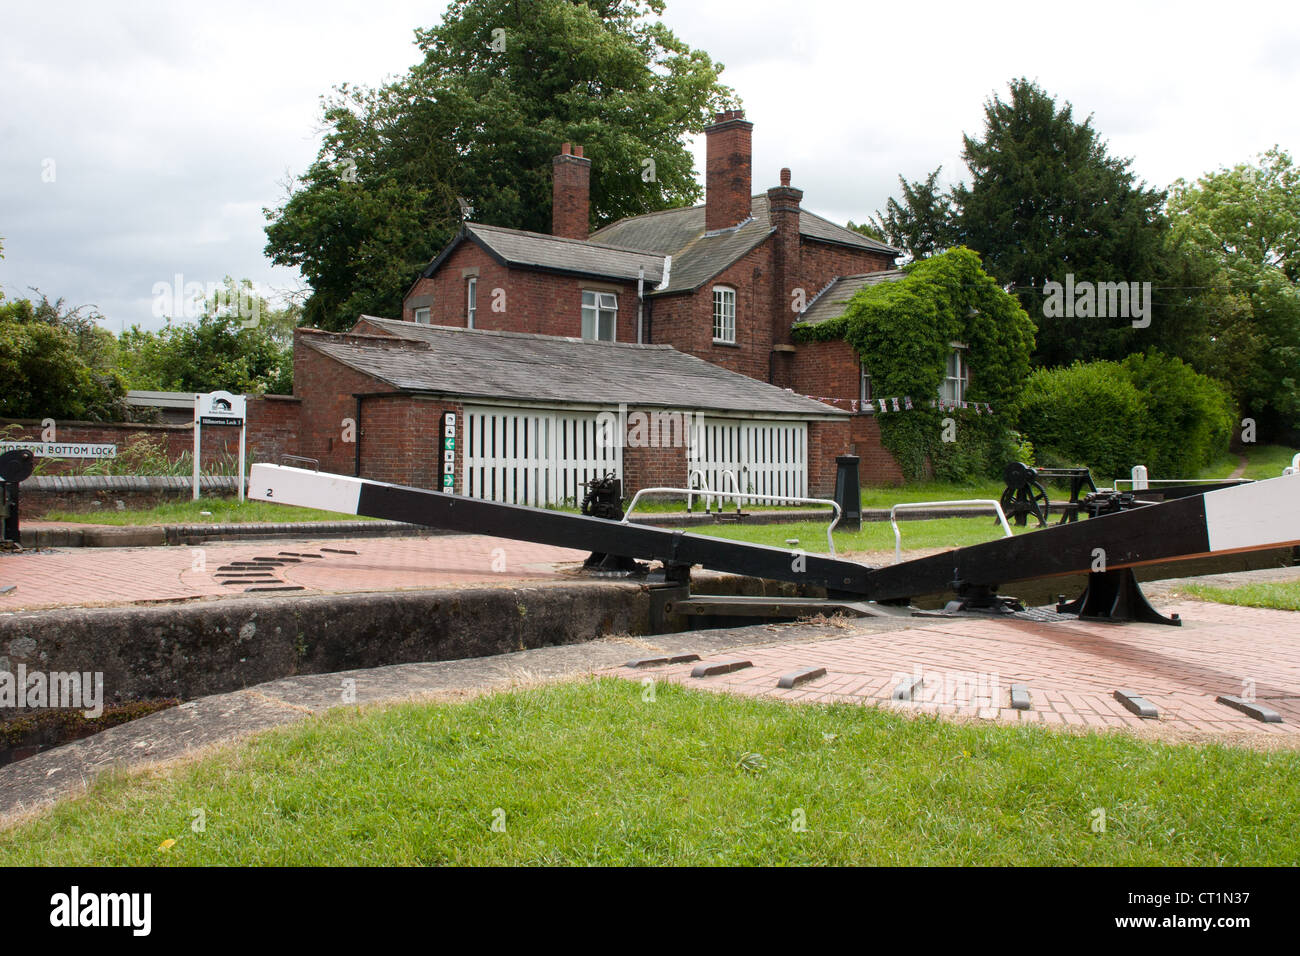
(961,502)
(704,487)
(690,498)
(830,541)
(1184,481)
(735,487)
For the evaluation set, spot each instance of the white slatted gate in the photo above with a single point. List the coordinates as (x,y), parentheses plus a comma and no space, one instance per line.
(763,458)
(534,458)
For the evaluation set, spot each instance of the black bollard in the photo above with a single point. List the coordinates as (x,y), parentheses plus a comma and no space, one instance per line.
(15,467)
(848,492)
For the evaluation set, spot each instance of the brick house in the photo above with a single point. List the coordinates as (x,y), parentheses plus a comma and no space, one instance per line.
(723,281)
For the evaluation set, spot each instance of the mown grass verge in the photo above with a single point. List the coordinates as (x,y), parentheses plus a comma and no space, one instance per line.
(592,772)
(1280,595)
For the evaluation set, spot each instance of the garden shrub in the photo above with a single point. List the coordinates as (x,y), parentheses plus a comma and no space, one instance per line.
(1147,410)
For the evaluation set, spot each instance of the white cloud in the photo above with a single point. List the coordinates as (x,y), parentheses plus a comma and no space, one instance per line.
(172,125)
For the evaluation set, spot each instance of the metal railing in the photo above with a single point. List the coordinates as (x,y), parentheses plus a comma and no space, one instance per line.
(1140,481)
(961,502)
(708,495)
(830,540)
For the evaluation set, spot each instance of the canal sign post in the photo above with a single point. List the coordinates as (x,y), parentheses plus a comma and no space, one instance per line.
(220,409)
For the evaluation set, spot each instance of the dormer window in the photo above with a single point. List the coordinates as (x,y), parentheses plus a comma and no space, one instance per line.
(724,315)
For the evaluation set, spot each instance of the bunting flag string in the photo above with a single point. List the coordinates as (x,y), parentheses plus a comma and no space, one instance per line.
(882,406)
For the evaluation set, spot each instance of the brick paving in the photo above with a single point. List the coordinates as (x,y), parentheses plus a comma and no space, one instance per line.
(80,577)
(966,666)
(1072,670)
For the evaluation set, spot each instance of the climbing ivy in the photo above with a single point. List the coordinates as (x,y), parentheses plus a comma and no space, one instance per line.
(903,332)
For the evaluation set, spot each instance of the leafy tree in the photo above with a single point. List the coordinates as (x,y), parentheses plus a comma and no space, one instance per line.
(923,223)
(1244,223)
(501,85)
(57,363)
(868,229)
(241,353)
(1046,199)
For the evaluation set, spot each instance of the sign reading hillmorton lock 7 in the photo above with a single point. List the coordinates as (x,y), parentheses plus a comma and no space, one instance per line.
(220,408)
(62,449)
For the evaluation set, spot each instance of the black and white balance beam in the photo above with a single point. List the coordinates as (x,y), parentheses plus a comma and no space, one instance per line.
(1251,517)
(376,499)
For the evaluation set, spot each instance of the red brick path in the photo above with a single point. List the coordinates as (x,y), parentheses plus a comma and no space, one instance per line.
(1071,669)
(96,576)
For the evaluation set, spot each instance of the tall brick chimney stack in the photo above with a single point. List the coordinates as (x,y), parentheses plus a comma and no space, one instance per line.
(728,176)
(783,210)
(570,194)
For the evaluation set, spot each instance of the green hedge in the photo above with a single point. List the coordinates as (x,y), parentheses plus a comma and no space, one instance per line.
(1148,410)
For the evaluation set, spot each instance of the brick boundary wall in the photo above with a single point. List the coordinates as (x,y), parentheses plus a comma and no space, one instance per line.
(41,494)
(273,426)
(272,432)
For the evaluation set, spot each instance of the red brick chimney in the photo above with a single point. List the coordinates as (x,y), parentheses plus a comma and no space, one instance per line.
(728,175)
(570,194)
(783,210)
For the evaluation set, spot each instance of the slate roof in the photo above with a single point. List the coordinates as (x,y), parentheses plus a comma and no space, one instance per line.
(831,301)
(536,250)
(698,257)
(473,363)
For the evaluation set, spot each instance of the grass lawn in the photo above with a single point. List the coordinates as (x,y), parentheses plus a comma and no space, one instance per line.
(222,511)
(590,773)
(877,496)
(1282,595)
(874,536)
(1265,461)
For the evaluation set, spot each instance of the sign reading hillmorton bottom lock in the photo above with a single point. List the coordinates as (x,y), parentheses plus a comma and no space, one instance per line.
(62,449)
(220,408)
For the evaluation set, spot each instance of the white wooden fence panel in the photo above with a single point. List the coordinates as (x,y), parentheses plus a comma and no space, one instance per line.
(766,458)
(533,457)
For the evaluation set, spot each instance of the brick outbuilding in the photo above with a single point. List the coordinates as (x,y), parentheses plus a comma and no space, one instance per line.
(538,415)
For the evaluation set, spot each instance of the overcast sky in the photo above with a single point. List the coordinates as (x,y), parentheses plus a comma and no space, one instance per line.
(140,140)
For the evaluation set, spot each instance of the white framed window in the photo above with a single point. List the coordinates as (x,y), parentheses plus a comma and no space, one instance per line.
(864,382)
(422,316)
(956,377)
(599,316)
(471,299)
(724,315)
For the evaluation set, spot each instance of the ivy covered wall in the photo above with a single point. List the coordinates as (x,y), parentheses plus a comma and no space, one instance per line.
(903,331)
